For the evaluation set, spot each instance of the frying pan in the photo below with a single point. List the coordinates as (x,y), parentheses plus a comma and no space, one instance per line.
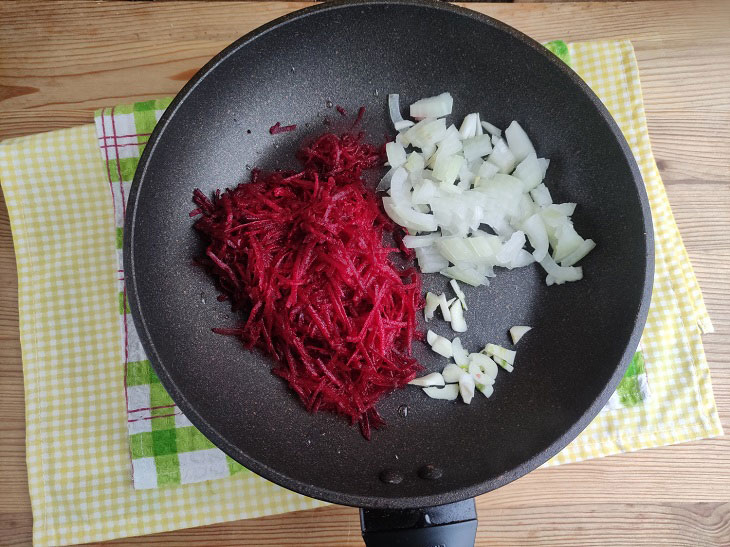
(292,70)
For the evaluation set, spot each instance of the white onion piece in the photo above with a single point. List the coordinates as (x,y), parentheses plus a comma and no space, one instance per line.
(409,218)
(502,157)
(466,388)
(396,154)
(485,365)
(544,163)
(517,332)
(432,302)
(442,346)
(487,170)
(394,108)
(477,147)
(568,241)
(458,324)
(468,127)
(444,306)
(457,290)
(433,107)
(480,378)
(511,247)
(529,172)
(448,393)
(480,129)
(486,389)
(446,168)
(452,373)
(424,193)
(414,242)
(470,277)
(492,129)
(507,355)
(519,142)
(461,357)
(534,228)
(586,247)
(541,195)
(384,183)
(430,260)
(520,260)
(415,162)
(403,124)
(433,379)
(561,274)
(431,337)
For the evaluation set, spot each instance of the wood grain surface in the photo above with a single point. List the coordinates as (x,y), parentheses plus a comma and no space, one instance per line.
(61,60)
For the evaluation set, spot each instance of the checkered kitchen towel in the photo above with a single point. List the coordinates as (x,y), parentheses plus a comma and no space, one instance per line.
(77,442)
(165,447)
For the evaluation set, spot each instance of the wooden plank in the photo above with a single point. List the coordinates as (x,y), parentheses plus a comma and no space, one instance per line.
(56,68)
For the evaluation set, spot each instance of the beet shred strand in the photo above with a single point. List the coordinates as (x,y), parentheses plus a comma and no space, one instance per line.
(302,256)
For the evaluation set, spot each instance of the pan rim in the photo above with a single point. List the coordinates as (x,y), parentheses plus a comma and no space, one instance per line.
(308,489)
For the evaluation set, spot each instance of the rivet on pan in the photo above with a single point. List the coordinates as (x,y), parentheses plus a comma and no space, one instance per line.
(430,472)
(389,476)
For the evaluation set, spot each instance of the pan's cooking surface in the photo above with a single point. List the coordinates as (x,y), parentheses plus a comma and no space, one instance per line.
(352,55)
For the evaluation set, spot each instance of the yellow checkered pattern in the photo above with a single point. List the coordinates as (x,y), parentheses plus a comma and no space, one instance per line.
(77,452)
(682,406)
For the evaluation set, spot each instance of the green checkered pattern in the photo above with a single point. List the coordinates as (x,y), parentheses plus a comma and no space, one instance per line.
(166,448)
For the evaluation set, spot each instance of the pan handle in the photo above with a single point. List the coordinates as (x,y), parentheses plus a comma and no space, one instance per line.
(451,525)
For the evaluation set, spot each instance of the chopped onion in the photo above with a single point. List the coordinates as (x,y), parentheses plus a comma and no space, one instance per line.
(529,171)
(446,168)
(470,277)
(586,247)
(452,373)
(442,346)
(512,247)
(493,350)
(431,337)
(457,290)
(477,147)
(502,157)
(492,129)
(394,108)
(461,357)
(487,170)
(414,162)
(433,379)
(466,388)
(414,242)
(486,389)
(485,364)
(403,124)
(519,142)
(430,260)
(469,126)
(432,302)
(447,393)
(458,324)
(560,274)
(384,183)
(396,154)
(517,332)
(409,218)
(535,230)
(433,107)
(444,305)
(541,195)
(567,240)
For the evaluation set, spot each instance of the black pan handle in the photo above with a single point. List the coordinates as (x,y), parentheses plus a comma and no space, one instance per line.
(451,525)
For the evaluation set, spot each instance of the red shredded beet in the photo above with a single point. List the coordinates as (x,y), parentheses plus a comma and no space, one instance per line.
(278,128)
(302,256)
(341,110)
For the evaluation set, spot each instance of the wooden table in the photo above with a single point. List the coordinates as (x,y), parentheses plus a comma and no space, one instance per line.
(60,61)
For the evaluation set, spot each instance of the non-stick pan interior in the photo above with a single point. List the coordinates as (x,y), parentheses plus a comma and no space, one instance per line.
(353,55)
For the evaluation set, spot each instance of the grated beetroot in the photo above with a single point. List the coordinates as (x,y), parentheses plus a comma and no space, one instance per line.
(278,128)
(302,256)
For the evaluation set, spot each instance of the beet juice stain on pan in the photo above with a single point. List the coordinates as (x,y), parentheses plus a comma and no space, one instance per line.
(353,54)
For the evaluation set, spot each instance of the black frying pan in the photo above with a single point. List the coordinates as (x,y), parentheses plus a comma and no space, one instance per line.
(353,54)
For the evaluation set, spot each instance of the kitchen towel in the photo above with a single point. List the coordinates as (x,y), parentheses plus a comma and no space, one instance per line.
(58,196)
